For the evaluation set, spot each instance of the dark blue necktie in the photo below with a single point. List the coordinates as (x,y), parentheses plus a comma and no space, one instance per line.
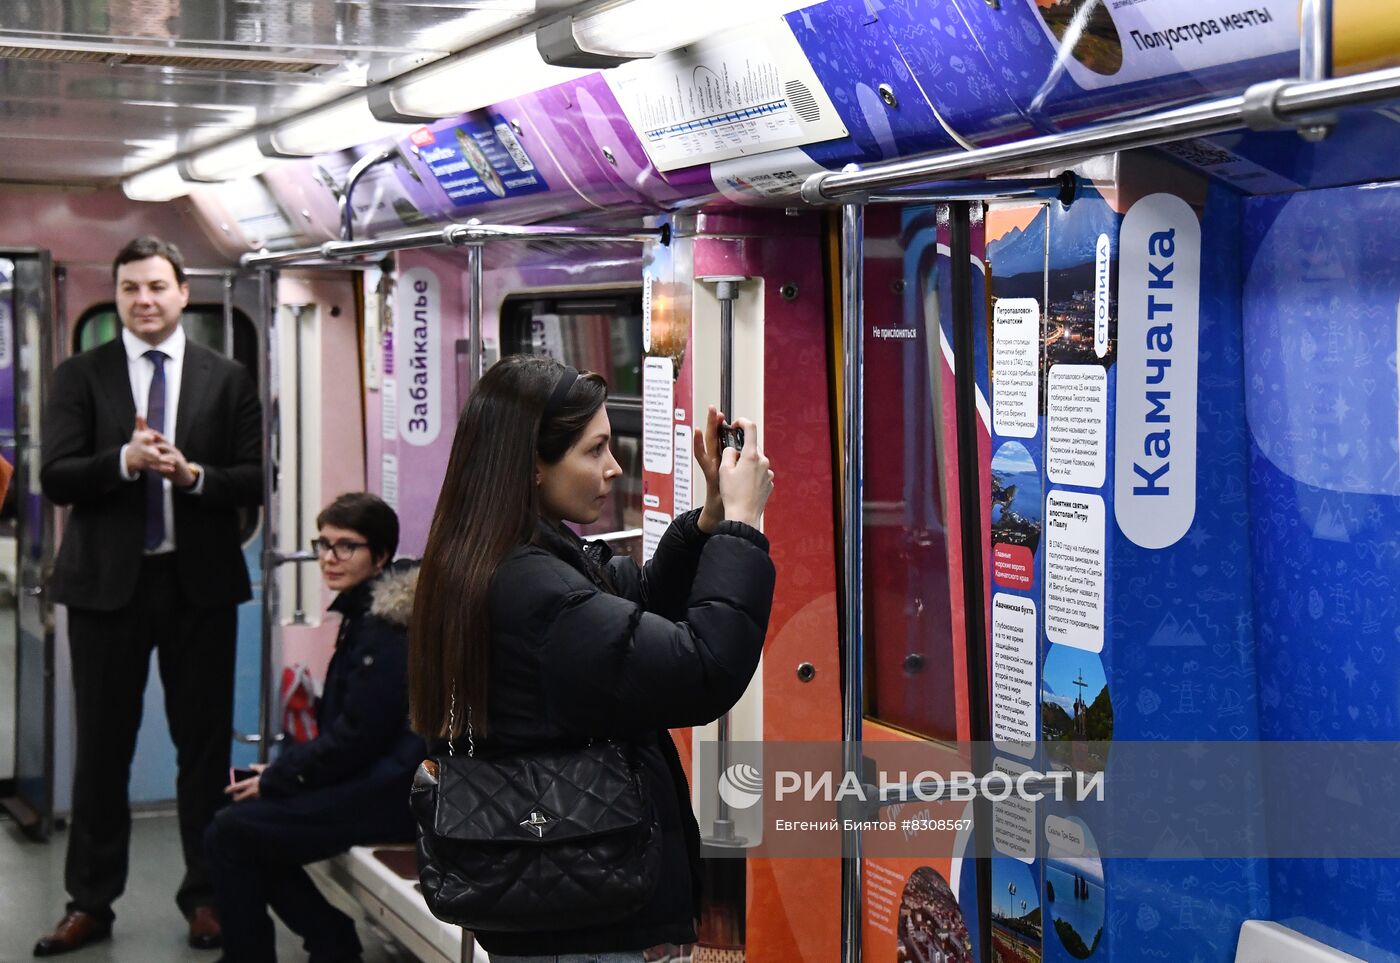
(155,420)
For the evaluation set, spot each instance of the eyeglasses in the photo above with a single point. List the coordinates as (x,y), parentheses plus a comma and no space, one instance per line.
(343,550)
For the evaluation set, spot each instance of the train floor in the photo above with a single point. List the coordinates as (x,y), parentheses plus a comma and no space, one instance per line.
(148,927)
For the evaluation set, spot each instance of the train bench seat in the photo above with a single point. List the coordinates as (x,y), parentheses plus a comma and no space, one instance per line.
(383,881)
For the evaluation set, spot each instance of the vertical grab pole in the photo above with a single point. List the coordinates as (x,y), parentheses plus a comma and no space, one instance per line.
(971,501)
(474,311)
(1315,51)
(477,368)
(853,705)
(298,608)
(1315,54)
(726,293)
(267,284)
(229,279)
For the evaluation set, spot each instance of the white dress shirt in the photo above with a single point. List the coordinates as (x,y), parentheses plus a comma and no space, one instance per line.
(140,370)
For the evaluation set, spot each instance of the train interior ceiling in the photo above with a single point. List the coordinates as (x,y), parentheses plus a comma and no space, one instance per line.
(1071,328)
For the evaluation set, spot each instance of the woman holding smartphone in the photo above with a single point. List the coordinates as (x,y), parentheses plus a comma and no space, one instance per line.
(348,785)
(526,638)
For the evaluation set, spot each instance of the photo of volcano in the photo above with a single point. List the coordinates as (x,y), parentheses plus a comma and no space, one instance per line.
(1087,28)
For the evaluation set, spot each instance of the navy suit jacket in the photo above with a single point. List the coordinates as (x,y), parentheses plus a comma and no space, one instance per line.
(89,415)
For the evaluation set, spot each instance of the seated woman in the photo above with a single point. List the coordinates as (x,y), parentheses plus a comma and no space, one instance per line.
(349,785)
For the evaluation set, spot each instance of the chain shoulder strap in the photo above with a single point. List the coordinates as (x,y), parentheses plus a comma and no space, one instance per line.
(452,726)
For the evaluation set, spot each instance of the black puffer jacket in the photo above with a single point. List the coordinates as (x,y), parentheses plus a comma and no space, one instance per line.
(588,646)
(362,718)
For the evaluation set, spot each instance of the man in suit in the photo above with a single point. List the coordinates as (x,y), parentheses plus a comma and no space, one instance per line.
(154,442)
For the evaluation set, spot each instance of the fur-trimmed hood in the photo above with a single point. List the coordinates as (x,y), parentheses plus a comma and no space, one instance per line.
(391,597)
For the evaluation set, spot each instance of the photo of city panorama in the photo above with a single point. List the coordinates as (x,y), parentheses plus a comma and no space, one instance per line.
(931,924)
(1016,255)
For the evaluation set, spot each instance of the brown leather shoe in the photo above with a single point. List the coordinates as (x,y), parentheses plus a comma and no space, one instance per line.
(205,933)
(76,930)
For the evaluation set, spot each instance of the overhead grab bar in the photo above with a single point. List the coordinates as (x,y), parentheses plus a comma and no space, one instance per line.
(453,235)
(1063,188)
(1273,105)
(347,192)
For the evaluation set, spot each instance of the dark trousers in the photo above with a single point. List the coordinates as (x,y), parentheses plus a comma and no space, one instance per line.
(111,656)
(257,849)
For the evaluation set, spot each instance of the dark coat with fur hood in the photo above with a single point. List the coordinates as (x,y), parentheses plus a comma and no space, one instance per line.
(587,646)
(362,717)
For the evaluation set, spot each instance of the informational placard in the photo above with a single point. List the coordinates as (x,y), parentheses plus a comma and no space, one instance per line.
(654,525)
(1103,279)
(1064,837)
(684,460)
(1013,674)
(1016,367)
(389,480)
(389,410)
(418,335)
(547,336)
(763,178)
(1131,40)
(740,92)
(1074,569)
(646,312)
(478,160)
(7,313)
(1159,309)
(1077,433)
(658,440)
(1013,818)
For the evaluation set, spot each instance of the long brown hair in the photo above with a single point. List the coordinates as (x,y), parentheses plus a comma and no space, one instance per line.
(488,505)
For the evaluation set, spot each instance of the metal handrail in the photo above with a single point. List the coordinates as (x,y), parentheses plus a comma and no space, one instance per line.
(453,235)
(1268,106)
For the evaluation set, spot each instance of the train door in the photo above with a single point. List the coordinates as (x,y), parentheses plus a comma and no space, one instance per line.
(26,545)
(917,681)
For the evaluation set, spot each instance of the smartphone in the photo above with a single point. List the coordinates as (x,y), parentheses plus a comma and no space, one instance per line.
(731,436)
(238,775)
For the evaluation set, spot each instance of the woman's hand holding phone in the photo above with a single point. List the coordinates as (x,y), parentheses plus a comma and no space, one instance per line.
(745,480)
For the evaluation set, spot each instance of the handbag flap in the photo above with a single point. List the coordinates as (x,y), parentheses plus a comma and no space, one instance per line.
(542,797)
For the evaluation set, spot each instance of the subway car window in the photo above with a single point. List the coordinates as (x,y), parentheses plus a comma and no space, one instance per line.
(602,332)
(910,676)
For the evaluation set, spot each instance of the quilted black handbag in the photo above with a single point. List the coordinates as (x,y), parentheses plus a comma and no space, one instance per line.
(546,840)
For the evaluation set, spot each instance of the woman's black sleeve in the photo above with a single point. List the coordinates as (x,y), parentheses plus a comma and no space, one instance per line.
(374,714)
(663,584)
(610,666)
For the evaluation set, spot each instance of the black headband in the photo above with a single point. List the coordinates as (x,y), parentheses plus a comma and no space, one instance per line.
(561,391)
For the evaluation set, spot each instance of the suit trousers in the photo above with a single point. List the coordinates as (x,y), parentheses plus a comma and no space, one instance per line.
(257,848)
(111,657)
